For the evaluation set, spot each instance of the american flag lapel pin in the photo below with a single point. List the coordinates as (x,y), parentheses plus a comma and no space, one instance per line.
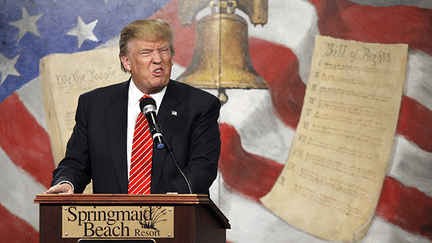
(174,113)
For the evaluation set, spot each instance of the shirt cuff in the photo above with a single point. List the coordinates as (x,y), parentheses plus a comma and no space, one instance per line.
(68,182)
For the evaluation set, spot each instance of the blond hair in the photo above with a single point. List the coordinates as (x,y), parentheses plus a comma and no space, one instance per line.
(146,29)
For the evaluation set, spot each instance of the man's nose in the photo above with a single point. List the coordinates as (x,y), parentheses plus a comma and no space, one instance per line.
(157,57)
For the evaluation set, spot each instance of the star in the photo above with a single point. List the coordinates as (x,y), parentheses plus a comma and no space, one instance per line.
(7,67)
(84,31)
(26,24)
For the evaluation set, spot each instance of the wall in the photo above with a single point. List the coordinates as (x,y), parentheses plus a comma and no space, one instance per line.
(257,125)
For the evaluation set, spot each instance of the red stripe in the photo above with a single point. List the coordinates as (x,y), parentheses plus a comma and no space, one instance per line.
(145,151)
(146,156)
(249,174)
(415,123)
(15,229)
(405,207)
(387,25)
(25,142)
(279,66)
(253,177)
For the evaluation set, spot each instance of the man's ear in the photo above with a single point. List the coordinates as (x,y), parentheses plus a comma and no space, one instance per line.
(126,63)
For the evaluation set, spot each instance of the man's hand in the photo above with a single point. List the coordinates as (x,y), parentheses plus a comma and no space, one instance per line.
(64,188)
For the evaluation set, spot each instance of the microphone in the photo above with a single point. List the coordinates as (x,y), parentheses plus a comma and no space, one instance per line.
(148,108)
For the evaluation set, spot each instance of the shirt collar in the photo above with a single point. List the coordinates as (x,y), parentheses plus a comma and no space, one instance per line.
(135,95)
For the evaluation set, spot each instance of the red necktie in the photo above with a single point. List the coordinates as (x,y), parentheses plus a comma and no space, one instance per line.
(141,158)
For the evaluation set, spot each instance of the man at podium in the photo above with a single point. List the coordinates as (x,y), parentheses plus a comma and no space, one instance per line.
(126,151)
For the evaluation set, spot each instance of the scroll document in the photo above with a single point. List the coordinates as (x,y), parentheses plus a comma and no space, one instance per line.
(332,180)
(64,78)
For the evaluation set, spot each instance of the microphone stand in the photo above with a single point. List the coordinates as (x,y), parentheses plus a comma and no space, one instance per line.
(171,153)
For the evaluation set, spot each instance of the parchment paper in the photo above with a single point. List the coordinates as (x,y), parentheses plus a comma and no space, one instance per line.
(334,174)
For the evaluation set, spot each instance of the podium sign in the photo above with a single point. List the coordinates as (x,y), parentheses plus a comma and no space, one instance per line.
(119,218)
(117,222)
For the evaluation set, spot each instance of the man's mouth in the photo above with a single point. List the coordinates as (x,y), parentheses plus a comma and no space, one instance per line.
(158,72)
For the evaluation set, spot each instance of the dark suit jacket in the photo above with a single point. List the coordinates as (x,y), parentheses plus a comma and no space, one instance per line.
(97,147)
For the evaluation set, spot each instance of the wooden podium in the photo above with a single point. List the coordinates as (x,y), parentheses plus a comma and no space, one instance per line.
(156,218)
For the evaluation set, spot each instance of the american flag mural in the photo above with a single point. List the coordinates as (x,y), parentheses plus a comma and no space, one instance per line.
(257,126)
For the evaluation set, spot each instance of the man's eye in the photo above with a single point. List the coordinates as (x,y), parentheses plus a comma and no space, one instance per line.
(165,50)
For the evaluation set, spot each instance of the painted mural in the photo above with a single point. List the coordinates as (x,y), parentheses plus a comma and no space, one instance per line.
(258,118)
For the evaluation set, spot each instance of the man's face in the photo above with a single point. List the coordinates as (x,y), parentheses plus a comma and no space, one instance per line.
(149,64)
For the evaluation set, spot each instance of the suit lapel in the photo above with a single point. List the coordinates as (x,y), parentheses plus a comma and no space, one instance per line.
(168,116)
(116,118)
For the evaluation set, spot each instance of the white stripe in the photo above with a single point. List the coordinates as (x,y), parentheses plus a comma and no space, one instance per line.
(252,222)
(139,170)
(383,232)
(262,132)
(18,190)
(146,148)
(418,83)
(139,186)
(31,95)
(289,22)
(140,144)
(143,150)
(293,24)
(411,165)
(177,70)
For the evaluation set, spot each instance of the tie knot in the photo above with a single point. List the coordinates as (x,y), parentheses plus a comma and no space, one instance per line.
(146,96)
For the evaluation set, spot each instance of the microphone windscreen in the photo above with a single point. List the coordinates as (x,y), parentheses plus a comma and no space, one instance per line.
(147,101)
